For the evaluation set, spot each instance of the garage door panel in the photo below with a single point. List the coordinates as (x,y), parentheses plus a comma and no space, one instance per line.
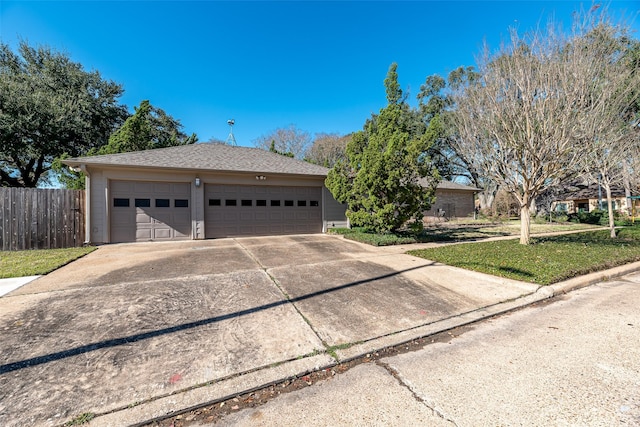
(230,216)
(276,229)
(157,217)
(161,234)
(162,217)
(143,234)
(261,230)
(276,216)
(302,215)
(246,216)
(122,186)
(143,187)
(261,210)
(161,188)
(143,218)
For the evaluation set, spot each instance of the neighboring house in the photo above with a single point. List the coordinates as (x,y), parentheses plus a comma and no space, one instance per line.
(204,191)
(453,200)
(586,198)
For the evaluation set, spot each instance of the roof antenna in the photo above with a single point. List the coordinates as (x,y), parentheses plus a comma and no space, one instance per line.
(231,140)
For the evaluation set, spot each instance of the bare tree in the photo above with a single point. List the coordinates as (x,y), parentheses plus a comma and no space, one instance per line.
(535,99)
(286,140)
(328,148)
(608,137)
(214,140)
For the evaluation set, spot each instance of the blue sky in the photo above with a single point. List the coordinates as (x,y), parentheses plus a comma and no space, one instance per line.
(317,65)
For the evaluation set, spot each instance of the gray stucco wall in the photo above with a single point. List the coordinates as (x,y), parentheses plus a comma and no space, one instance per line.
(454,203)
(334,212)
(99,194)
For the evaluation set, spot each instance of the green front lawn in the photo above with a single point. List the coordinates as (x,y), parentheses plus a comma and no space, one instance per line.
(547,260)
(37,262)
(454,231)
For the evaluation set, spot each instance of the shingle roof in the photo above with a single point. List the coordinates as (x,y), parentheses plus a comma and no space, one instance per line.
(449,185)
(577,191)
(206,156)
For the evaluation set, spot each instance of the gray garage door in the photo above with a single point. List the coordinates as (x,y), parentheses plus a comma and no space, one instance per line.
(248,210)
(143,211)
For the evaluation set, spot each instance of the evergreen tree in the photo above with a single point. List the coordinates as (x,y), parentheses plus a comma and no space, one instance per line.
(382,178)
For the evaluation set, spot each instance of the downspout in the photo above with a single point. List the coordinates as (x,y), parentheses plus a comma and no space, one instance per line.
(87,204)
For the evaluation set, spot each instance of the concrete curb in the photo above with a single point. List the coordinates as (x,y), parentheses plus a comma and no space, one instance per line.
(186,400)
(542,293)
(593,278)
(208,394)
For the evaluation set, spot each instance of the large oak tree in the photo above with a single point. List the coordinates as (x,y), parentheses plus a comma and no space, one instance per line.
(49,106)
(149,127)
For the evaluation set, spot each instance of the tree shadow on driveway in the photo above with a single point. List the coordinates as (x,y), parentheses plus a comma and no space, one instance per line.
(39,360)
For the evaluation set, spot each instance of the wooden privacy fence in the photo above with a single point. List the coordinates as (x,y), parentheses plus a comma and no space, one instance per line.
(34,218)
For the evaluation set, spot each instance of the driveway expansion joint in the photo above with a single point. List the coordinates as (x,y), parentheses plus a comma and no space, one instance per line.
(250,254)
(431,405)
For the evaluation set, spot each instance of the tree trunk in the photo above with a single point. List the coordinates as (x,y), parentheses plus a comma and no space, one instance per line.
(627,187)
(525,224)
(532,207)
(612,225)
(486,198)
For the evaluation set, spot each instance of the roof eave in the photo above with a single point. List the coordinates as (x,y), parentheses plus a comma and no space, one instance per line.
(75,163)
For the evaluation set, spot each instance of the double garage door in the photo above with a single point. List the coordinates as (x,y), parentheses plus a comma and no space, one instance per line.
(143,211)
(248,210)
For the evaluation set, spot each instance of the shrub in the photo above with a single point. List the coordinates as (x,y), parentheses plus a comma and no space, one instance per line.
(593,217)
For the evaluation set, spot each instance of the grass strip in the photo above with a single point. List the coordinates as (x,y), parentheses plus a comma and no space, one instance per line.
(450,232)
(37,262)
(547,260)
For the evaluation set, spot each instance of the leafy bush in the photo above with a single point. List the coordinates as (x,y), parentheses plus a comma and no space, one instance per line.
(619,219)
(555,217)
(584,217)
(365,235)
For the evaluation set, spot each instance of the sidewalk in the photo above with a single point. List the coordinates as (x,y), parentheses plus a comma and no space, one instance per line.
(9,285)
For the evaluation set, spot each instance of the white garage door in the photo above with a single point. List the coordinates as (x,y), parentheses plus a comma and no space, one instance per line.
(248,210)
(143,211)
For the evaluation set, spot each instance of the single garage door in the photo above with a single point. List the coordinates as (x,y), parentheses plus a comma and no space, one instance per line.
(143,211)
(252,210)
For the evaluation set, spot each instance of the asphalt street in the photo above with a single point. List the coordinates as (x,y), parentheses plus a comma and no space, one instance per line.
(571,361)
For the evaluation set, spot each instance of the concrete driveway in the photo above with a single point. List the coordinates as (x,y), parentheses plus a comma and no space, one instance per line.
(134,331)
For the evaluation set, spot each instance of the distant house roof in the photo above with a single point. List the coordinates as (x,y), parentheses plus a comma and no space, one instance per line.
(206,156)
(449,185)
(580,191)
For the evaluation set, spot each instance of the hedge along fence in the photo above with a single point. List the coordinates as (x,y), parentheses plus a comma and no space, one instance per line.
(33,218)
